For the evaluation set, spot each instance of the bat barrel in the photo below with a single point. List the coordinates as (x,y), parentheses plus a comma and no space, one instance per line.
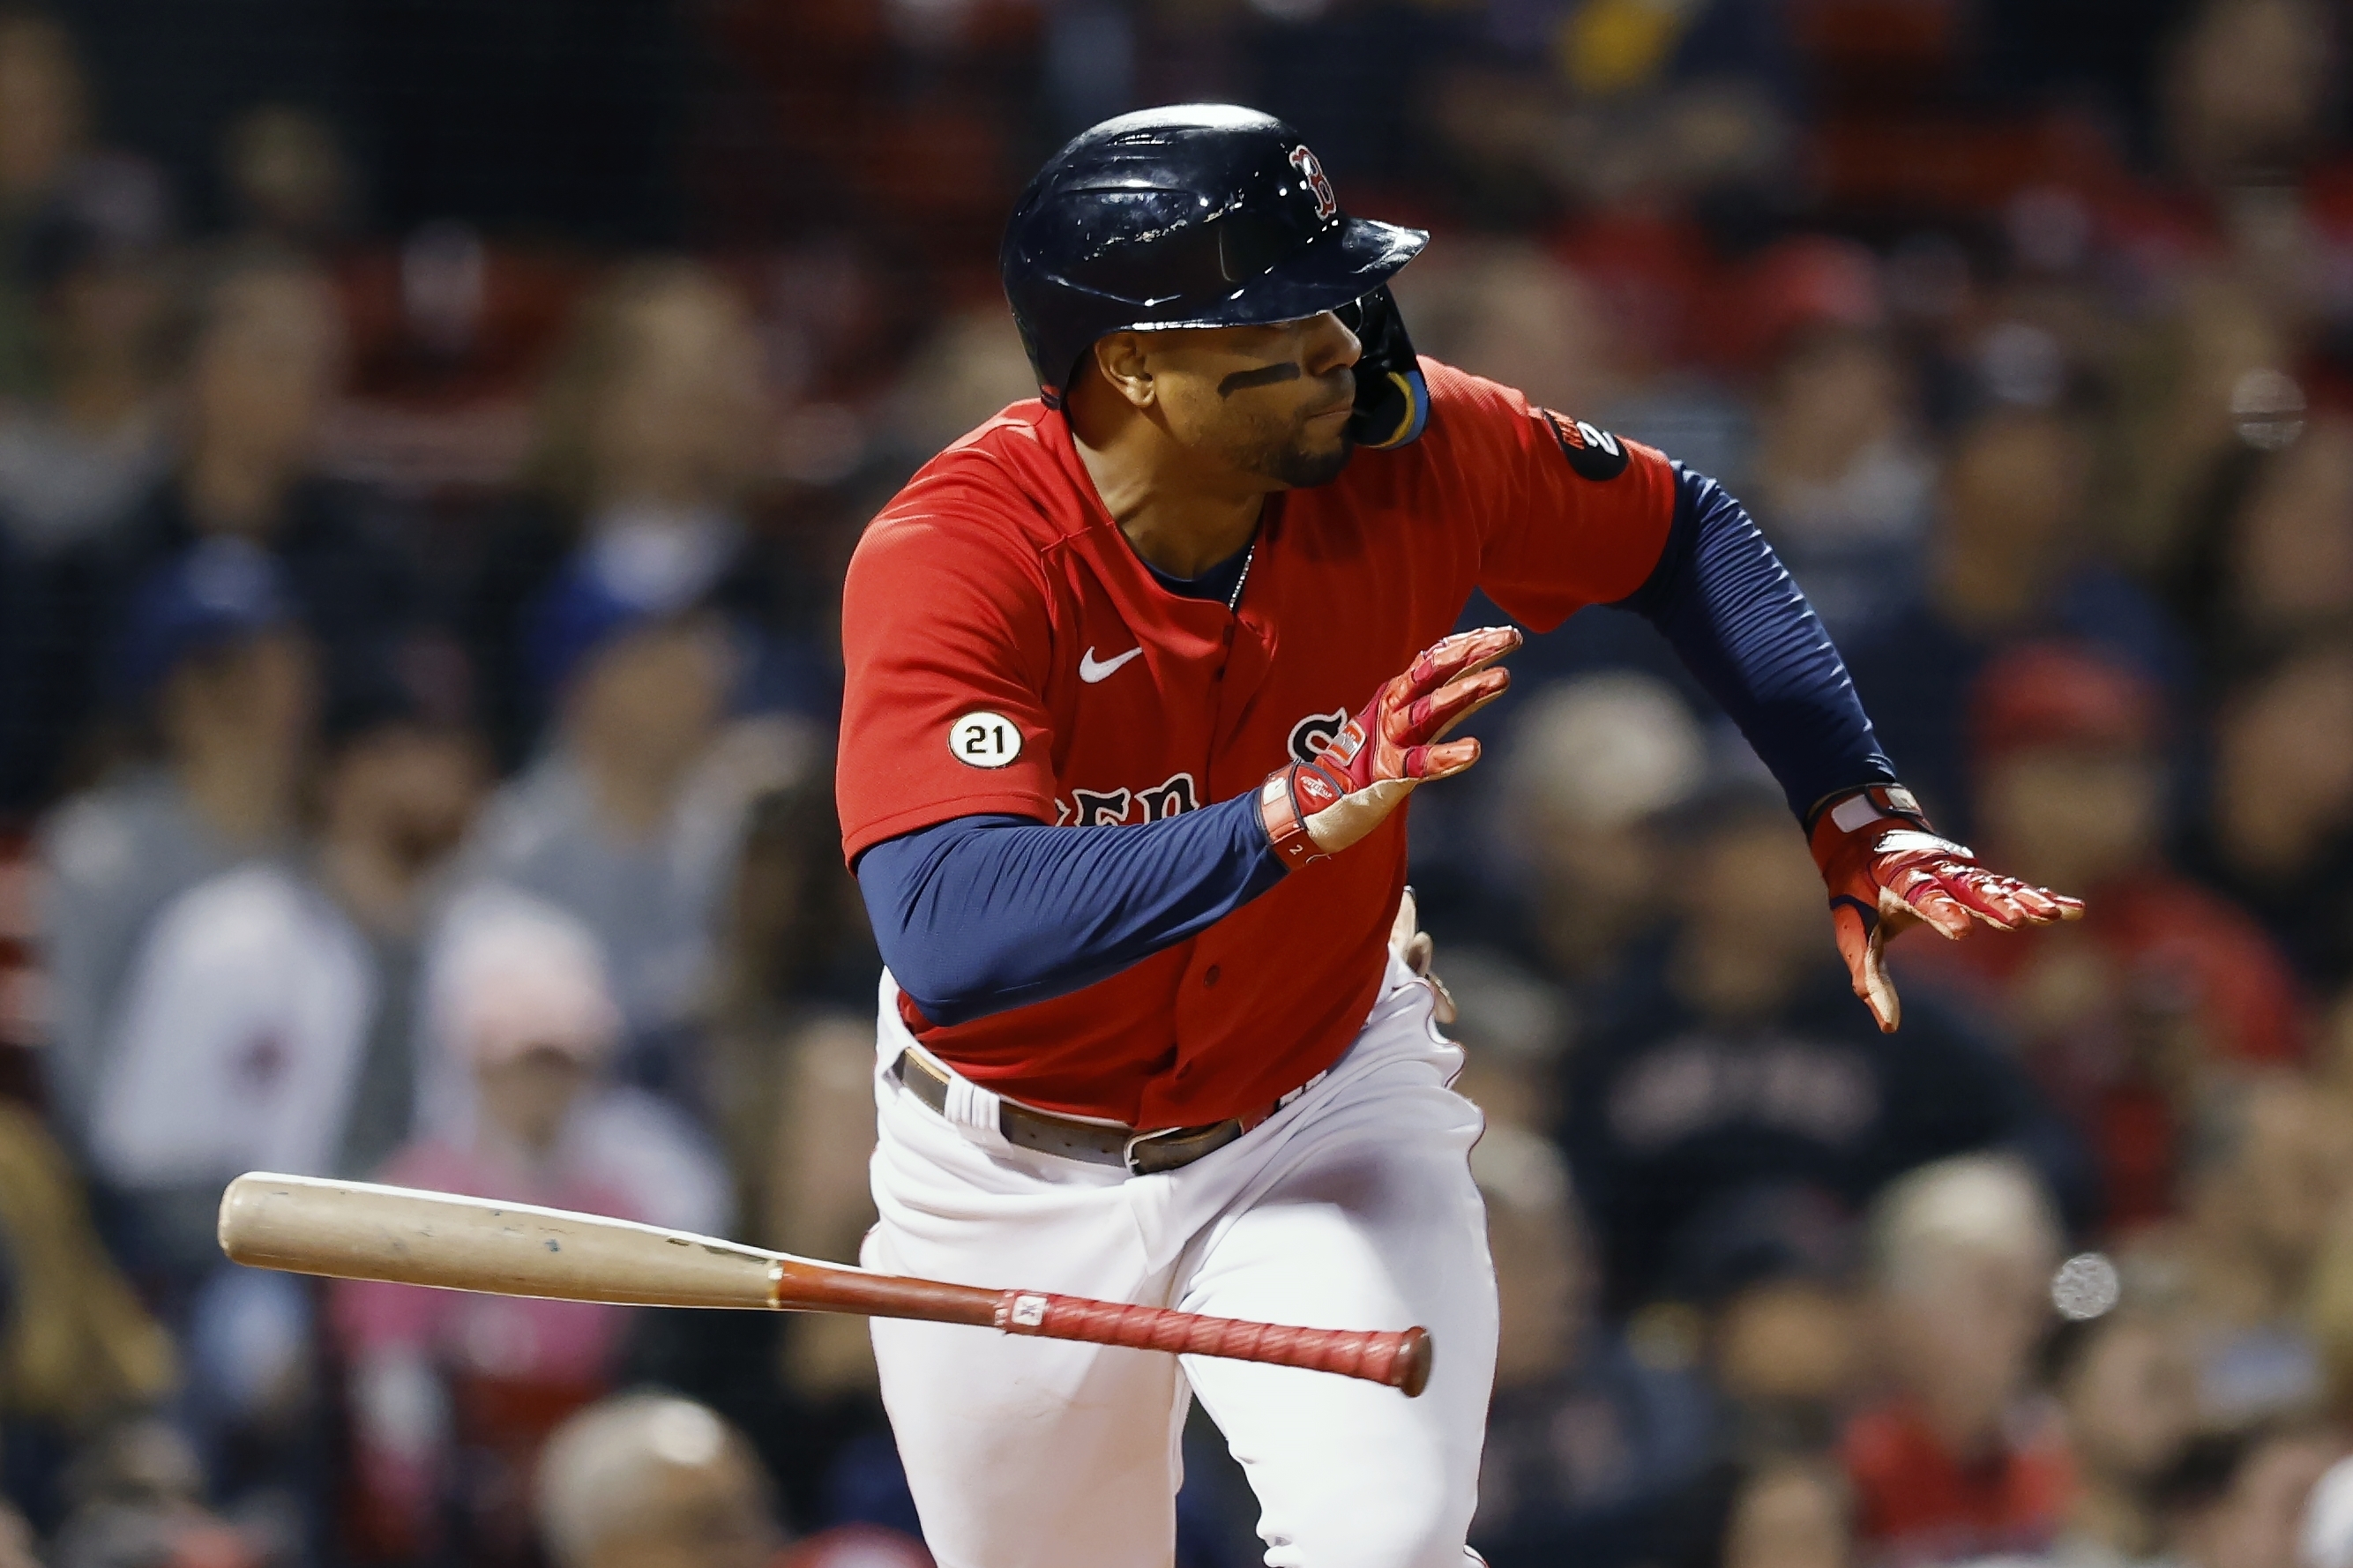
(355,1231)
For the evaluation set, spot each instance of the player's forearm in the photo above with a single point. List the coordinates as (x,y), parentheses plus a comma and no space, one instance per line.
(1743,627)
(982,914)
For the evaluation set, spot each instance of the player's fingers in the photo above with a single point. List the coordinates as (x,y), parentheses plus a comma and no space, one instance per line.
(1862,944)
(2035,906)
(1439,762)
(2044,906)
(1429,718)
(1985,897)
(1919,889)
(1460,654)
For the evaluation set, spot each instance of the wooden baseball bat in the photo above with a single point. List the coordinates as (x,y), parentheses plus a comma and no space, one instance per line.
(357,1230)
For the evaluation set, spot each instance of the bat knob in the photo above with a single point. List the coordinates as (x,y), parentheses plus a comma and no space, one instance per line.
(1411,1370)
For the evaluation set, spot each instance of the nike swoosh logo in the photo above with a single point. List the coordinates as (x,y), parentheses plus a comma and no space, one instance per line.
(1091,669)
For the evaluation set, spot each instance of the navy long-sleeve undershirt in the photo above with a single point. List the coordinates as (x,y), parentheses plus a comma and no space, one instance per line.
(983,914)
(1740,624)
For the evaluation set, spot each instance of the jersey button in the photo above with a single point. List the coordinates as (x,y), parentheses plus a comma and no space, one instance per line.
(1210,975)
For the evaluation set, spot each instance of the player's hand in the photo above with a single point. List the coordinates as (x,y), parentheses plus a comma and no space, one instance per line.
(1317,808)
(1887,870)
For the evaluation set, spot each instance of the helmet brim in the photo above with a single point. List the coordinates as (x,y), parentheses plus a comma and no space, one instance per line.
(1344,264)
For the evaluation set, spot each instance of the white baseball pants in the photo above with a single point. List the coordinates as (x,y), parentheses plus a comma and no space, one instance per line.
(1353,1207)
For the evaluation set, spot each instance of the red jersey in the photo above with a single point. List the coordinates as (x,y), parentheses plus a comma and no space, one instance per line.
(1007,653)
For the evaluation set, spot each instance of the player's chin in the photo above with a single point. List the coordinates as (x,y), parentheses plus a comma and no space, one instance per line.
(1307,463)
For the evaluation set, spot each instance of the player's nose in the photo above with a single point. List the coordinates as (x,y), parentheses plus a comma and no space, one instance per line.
(1331,345)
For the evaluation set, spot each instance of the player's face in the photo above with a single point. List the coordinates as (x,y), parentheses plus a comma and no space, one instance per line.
(1268,402)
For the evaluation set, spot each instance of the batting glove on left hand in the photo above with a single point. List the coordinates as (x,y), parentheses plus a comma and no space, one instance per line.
(1318,808)
(1887,870)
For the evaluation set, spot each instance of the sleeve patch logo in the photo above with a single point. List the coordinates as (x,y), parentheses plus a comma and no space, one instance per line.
(984,740)
(1593,452)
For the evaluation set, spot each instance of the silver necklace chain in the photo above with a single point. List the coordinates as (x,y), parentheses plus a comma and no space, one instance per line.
(1243,580)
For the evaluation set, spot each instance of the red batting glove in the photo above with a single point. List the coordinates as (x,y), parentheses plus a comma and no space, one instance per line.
(1318,808)
(1887,870)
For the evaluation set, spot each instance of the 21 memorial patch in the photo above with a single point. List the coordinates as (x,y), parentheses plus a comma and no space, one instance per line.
(984,740)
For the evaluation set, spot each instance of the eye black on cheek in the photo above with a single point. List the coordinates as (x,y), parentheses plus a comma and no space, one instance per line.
(1264,375)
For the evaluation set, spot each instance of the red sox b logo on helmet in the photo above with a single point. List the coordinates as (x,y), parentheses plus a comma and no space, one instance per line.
(1311,170)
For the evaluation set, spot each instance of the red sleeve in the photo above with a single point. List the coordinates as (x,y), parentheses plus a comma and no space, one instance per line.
(945,647)
(1567,515)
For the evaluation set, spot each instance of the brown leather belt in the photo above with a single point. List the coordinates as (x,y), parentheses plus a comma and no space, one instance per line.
(1096,1143)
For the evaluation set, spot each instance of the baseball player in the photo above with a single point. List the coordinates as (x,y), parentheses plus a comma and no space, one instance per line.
(1141,675)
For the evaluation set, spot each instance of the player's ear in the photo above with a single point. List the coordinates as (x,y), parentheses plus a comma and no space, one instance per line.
(1124,362)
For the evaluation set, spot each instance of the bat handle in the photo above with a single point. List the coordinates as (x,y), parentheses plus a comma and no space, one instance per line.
(1398,1358)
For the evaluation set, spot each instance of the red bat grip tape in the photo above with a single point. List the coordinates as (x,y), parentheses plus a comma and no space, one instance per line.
(1400,1358)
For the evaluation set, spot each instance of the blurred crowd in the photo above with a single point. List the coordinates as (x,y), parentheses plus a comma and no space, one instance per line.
(430,448)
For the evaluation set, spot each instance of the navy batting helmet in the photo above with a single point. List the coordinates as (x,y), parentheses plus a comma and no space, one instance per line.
(1204,214)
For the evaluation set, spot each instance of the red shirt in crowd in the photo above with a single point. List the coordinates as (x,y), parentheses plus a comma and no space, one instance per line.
(1915,1503)
(2107,1009)
(1007,653)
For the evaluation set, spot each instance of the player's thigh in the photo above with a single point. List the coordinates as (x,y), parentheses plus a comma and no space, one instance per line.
(1027,1453)
(1375,1232)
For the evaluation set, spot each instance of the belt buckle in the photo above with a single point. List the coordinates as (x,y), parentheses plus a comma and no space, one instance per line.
(1128,1151)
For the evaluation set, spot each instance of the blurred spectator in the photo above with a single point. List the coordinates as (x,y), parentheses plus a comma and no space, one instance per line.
(2235,1497)
(649,439)
(1515,1029)
(16,1540)
(1763,1278)
(652,1481)
(209,655)
(395,800)
(264,365)
(1735,1053)
(2327,1535)
(267,1019)
(637,641)
(631,817)
(2127,1392)
(43,124)
(451,1393)
(1841,484)
(1958,1462)
(972,367)
(290,178)
(76,1348)
(1503,310)
(2275,566)
(791,1082)
(2245,84)
(2124,1019)
(1796,1513)
(74,460)
(139,1502)
(1586,1443)
(793,1063)
(2007,560)
(1781,1510)
(1592,763)
(2279,833)
(2270,1165)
